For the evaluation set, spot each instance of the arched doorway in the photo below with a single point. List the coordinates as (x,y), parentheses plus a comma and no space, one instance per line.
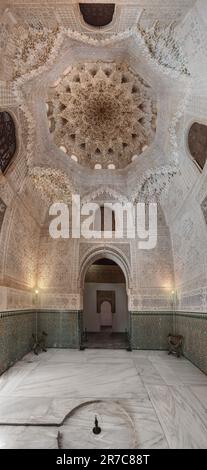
(105,306)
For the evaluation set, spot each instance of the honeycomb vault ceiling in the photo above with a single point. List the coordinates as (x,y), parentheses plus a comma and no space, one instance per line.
(102,113)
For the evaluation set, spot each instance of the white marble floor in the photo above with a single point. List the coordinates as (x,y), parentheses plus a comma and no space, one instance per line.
(155,400)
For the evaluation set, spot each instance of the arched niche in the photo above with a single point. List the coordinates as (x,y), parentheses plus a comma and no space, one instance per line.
(7,140)
(97,14)
(197,143)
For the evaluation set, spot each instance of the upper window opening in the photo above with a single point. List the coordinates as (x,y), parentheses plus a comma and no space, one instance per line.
(7,140)
(97,14)
(197,142)
(107,219)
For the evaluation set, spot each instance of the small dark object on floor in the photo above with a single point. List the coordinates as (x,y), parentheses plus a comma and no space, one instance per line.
(175,343)
(43,340)
(39,344)
(59,440)
(96,429)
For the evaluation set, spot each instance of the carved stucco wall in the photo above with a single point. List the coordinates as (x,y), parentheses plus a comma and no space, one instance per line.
(19,238)
(189,244)
(126,14)
(185,204)
(60,263)
(29,258)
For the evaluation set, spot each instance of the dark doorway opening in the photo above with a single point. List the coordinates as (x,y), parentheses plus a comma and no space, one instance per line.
(105,314)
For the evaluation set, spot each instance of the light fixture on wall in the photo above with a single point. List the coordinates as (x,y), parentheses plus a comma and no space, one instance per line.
(174,302)
(35,296)
(36,304)
(173,298)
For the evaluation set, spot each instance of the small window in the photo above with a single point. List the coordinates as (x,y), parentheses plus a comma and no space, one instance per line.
(7,140)
(197,142)
(109,219)
(97,14)
(104,219)
(2,211)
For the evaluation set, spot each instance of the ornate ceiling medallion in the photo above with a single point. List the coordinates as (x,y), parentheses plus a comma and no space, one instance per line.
(103,113)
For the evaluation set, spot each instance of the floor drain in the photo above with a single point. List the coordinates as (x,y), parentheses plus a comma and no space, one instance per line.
(96,429)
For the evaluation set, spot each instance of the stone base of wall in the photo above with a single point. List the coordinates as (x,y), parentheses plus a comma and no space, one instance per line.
(193,327)
(62,328)
(16,330)
(149,330)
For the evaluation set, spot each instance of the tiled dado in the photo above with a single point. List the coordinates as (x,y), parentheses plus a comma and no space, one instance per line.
(62,327)
(149,330)
(16,328)
(193,327)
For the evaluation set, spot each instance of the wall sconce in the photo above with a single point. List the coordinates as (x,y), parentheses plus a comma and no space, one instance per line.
(173,298)
(36,302)
(35,297)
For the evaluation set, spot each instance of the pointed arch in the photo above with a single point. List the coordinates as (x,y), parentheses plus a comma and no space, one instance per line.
(109,252)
